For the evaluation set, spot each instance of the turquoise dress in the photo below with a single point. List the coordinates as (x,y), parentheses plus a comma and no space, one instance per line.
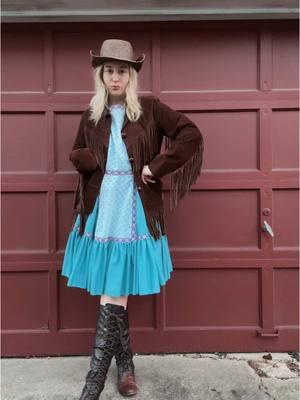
(117,255)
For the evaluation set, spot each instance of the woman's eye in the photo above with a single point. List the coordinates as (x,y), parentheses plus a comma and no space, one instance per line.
(110,71)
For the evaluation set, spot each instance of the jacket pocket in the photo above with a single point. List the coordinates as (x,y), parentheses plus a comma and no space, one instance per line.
(83,159)
(154,193)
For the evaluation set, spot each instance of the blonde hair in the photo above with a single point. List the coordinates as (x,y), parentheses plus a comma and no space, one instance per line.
(100,99)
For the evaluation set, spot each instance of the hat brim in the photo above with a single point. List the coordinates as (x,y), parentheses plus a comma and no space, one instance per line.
(98,60)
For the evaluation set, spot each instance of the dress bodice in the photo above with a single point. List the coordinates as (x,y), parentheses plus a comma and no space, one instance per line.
(117,158)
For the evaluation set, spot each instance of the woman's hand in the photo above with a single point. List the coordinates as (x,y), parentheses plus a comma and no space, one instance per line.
(145,175)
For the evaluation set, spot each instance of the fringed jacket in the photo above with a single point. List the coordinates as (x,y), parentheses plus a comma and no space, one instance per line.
(182,157)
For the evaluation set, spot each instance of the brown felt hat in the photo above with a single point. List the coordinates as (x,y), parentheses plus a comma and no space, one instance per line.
(117,49)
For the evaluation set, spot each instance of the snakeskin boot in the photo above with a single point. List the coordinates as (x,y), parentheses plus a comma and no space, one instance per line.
(110,318)
(124,359)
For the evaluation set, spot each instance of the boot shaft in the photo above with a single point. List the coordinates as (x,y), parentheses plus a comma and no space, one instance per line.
(109,320)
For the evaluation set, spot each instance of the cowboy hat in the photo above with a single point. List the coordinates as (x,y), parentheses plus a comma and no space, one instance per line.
(116,49)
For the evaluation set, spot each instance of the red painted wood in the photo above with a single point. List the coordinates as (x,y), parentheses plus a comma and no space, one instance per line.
(234,287)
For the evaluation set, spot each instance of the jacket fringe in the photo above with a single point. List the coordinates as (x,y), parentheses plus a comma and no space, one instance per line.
(143,151)
(155,217)
(81,205)
(156,222)
(79,208)
(74,215)
(183,178)
(145,147)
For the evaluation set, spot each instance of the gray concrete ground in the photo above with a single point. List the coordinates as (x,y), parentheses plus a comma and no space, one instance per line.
(199,376)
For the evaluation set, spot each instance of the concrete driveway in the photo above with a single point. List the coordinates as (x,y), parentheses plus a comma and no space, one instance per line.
(199,376)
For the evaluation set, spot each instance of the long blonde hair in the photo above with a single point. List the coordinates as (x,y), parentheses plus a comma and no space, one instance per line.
(100,99)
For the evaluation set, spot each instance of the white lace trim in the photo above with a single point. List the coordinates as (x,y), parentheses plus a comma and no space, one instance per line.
(119,105)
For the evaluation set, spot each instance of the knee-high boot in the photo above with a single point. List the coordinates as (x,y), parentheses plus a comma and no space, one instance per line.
(124,359)
(110,318)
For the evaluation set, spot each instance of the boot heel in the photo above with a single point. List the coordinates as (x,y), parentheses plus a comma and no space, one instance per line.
(126,384)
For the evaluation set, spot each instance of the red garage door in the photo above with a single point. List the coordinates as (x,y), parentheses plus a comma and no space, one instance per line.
(235,285)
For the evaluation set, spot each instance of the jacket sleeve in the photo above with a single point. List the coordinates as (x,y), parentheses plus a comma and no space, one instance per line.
(81,156)
(183,154)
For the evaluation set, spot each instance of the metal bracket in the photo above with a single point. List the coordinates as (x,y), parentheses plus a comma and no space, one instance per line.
(267,334)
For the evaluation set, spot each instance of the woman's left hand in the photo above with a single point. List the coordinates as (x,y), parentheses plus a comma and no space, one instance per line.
(145,175)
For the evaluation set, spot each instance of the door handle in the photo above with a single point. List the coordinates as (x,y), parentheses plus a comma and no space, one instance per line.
(267,228)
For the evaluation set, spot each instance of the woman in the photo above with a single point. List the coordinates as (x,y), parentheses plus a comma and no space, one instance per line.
(118,243)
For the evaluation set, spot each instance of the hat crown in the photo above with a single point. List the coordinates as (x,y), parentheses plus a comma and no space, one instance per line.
(116,48)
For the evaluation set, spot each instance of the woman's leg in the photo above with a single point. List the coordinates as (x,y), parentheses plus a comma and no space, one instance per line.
(111,317)
(114,300)
(126,383)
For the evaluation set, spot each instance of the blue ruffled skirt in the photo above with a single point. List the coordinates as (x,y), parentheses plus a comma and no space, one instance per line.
(116,268)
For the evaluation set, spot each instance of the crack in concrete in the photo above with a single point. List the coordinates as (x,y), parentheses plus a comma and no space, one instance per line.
(218,393)
(235,394)
(263,389)
(256,369)
(220,355)
(294,354)
(203,355)
(293,366)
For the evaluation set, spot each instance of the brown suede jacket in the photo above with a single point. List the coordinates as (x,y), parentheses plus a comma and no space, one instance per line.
(182,158)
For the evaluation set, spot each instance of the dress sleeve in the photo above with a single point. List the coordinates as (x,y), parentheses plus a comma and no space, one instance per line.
(184,147)
(81,156)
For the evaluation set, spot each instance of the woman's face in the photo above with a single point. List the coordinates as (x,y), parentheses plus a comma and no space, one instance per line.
(116,78)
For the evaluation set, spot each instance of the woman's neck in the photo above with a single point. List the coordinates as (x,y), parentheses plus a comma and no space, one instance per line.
(116,100)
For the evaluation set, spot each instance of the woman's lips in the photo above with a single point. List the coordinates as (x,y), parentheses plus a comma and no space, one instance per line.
(116,87)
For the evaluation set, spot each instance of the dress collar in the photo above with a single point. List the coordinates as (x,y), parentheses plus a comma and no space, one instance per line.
(118,105)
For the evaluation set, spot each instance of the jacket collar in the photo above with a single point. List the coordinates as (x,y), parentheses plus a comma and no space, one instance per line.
(104,123)
(107,117)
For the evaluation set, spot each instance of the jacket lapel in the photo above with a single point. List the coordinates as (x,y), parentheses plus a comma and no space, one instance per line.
(101,132)
(136,141)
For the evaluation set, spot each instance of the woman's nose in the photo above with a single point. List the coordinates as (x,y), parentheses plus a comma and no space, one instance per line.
(115,76)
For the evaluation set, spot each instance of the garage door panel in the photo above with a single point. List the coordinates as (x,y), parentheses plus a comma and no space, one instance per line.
(286,219)
(285,56)
(286,284)
(229,218)
(71,61)
(234,136)
(285,140)
(66,127)
(203,297)
(64,213)
(71,300)
(26,296)
(24,143)
(23,213)
(223,59)
(22,62)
